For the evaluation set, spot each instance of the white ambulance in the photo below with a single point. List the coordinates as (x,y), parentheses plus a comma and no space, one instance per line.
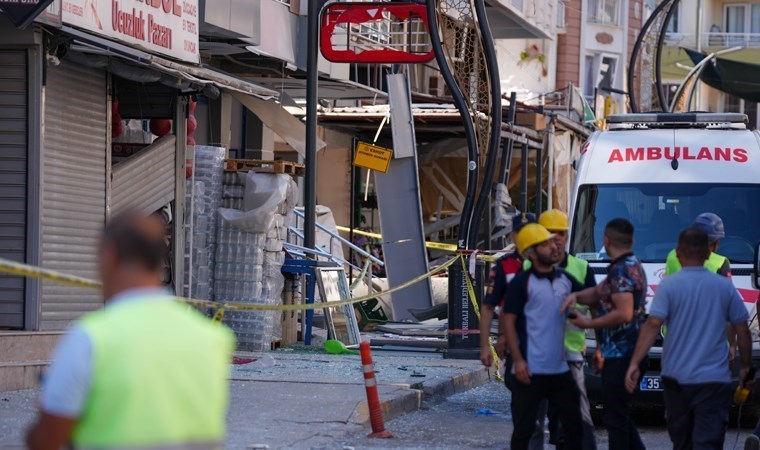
(660,171)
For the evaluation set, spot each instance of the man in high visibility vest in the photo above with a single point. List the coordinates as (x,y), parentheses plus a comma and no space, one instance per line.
(145,372)
(558,224)
(712,225)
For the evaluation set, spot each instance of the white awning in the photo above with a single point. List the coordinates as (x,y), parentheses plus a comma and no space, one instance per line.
(149,68)
(274,116)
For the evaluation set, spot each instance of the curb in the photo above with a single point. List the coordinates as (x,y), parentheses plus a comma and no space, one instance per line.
(440,390)
(412,398)
(409,401)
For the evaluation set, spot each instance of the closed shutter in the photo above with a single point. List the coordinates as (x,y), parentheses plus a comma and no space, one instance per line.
(74,188)
(13,166)
(146,180)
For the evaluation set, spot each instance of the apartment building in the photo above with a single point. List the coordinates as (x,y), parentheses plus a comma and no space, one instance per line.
(724,25)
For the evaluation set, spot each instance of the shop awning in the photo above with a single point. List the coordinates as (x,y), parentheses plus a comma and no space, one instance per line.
(507,22)
(328,89)
(731,75)
(140,66)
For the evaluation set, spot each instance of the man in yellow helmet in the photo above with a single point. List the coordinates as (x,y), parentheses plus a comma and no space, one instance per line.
(534,325)
(146,372)
(558,224)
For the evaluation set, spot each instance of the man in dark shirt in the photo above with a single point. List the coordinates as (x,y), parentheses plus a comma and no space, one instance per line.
(620,301)
(534,328)
(502,272)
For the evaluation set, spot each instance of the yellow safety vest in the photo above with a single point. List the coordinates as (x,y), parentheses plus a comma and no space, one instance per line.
(713,263)
(159,378)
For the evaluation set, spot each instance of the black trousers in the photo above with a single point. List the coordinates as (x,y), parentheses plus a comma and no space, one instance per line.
(564,398)
(697,414)
(623,434)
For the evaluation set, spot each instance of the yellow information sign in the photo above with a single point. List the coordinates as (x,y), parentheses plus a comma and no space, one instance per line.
(373,157)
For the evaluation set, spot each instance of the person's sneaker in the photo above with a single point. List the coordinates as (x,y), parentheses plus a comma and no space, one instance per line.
(752,443)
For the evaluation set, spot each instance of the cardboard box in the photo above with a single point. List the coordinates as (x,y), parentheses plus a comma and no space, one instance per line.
(532,120)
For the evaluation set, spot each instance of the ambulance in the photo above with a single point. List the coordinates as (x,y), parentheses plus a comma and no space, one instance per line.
(660,171)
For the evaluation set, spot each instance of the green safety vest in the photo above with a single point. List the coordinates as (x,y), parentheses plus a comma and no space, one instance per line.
(575,340)
(713,263)
(159,378)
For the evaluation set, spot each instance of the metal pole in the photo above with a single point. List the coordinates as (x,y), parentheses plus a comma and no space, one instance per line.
(539,182)
(524,178)
(492,154)
(700,10)
(550,155)
(506,152)
(310,178)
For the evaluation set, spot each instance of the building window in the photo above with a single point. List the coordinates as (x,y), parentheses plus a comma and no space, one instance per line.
(599,76)
(561,19)
(606,12)
(674,26)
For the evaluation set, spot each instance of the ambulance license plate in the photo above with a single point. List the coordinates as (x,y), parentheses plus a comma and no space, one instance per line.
(651,383)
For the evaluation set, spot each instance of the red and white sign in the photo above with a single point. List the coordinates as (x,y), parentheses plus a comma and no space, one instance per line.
(168,27)
(687,154)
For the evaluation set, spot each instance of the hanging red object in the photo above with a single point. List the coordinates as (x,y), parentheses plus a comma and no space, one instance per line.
(160,127)
(375,33)
(192,122)
(116,126)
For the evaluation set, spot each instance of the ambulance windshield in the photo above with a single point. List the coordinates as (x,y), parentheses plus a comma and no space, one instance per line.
(659,211)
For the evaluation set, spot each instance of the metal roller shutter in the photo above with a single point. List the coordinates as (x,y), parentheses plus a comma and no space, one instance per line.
(74,188)
(146,180)
(13,172)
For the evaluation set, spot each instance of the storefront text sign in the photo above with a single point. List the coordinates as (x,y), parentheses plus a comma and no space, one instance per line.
(169,27)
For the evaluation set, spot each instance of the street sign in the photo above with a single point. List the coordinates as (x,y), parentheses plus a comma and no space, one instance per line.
(373,157)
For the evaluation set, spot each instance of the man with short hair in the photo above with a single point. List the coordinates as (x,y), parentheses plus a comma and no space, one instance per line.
(144,372)
(534,328)
(695,373)
(557,223)
(619,301)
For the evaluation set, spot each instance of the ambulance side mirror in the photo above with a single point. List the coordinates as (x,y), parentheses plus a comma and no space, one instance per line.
(756,268)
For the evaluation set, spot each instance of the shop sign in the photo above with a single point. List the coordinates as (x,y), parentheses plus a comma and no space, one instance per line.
(373,157)
(168,27)
(22,12)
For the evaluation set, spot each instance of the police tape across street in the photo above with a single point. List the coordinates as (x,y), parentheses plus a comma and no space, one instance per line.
(25,270)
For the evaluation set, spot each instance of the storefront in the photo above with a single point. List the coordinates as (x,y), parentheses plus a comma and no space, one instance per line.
(65,85)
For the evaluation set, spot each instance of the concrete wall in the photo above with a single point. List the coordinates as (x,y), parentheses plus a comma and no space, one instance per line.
(526,78)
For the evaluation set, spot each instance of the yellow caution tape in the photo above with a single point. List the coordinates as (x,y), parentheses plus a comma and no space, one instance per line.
(434,245)
(25,270)
(474,301)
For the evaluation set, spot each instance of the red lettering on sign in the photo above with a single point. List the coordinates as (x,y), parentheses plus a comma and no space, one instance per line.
(636,154)
(615,156)
(739,155)
(704,153)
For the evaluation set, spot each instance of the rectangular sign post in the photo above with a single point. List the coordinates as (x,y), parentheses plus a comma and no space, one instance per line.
(373,157)
(168,27)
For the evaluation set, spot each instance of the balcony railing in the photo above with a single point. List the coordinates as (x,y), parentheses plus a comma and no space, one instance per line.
(713,39)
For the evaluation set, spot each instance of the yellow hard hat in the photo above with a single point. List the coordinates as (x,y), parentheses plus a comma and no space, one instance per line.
(554,220)
(531,235)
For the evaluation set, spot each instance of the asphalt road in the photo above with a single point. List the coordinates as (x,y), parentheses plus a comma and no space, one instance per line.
(454,424)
